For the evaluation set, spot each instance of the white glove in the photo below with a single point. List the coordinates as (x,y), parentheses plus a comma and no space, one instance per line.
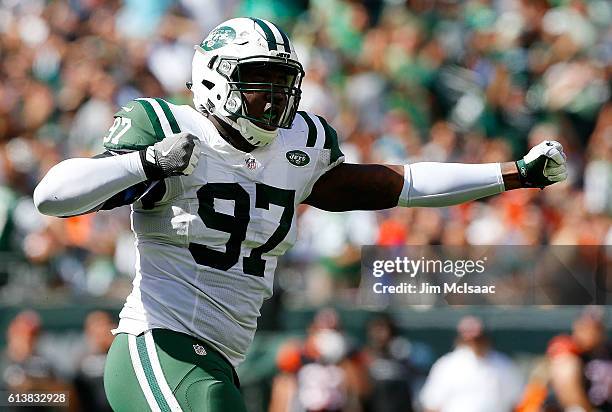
(175,155)
(544,165)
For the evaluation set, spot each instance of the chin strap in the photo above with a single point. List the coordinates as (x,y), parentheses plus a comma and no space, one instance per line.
(243,130)
(255,135)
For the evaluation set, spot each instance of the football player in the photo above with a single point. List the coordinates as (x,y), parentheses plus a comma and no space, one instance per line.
(214,190)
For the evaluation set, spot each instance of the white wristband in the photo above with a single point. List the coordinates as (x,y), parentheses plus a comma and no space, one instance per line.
(430,184)
(405,195)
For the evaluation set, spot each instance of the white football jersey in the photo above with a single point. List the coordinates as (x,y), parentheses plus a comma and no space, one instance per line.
(207,251)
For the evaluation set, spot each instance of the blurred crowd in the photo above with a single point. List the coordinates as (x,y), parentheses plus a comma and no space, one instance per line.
(389,373)
(402,81)
(329,370)
(34,362)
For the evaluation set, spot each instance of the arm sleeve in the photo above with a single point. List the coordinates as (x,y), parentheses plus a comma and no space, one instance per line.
(430,184)
(79,185)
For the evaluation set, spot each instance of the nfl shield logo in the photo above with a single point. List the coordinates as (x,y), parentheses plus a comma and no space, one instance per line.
(250,163)
(199,349)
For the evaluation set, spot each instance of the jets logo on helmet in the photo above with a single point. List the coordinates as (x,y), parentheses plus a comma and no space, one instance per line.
(218,38)
(222,76)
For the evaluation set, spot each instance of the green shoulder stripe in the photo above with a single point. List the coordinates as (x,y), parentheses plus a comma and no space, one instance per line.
(312,129)
(141,123)
(174,126)
(159,132)
(331,141)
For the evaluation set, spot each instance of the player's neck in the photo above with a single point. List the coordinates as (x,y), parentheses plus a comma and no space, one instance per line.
(231,135)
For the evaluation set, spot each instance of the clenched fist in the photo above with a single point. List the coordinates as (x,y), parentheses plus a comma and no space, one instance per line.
(544,165)
(175,155)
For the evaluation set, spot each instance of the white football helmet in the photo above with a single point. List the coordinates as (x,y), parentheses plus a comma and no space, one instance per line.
(243,45)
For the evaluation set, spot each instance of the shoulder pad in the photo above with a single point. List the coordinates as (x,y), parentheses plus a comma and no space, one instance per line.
(141,123)
(321,135)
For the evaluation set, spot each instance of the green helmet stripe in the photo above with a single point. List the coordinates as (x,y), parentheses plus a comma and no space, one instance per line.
(285,38)
(157,127)
(312,129)
(268,32)
(169,115)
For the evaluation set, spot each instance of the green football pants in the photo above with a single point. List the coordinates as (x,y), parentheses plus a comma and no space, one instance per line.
(162,370)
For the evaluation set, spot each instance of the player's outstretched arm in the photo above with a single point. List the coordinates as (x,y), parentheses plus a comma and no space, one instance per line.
(428,184)
(80,185)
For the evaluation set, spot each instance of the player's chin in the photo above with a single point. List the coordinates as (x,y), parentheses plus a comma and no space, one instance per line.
(265,126)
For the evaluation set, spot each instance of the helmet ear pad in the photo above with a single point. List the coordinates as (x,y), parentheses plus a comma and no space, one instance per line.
(208,84)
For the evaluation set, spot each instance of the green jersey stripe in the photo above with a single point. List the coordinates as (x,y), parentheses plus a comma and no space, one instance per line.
(331,141)
(268,32)
(169,115)
(285,38)
(312,129)
(157,127)
(150,375)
